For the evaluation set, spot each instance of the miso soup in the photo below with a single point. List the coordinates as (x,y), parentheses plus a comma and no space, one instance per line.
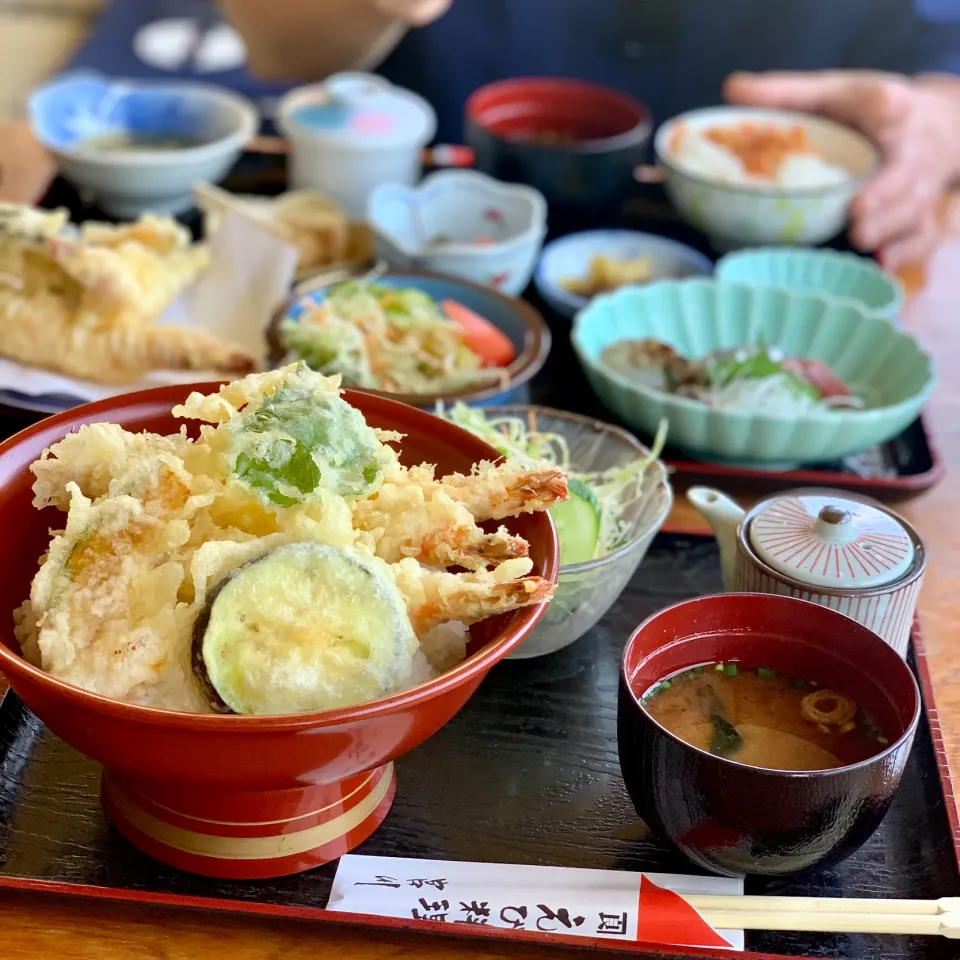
(764,719)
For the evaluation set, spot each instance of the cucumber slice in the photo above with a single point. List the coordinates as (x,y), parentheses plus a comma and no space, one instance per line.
(306,627)
(577,520)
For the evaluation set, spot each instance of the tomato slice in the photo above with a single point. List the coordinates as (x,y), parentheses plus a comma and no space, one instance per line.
(485,339)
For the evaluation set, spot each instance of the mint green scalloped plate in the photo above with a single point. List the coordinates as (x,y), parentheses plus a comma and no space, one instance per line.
(697,317)
(843,275)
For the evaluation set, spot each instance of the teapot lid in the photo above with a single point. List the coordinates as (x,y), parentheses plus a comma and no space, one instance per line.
(826,540)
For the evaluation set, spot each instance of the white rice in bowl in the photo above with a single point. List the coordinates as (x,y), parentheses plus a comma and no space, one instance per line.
(698,156)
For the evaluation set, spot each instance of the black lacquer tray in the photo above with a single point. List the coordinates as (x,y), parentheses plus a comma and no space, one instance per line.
(527,773)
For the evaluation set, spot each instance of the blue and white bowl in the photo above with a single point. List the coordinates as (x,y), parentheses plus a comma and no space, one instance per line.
(519,321)
(435,226)
(78,117)
(569,258)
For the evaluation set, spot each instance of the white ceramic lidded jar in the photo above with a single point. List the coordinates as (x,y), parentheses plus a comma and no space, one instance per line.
(827,546)
(352,133)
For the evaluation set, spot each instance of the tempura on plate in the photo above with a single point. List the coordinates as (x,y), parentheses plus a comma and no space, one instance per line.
(283,562)
(313,223)
(85,301)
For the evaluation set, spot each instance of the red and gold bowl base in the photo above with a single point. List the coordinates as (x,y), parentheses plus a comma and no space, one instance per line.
(250,836)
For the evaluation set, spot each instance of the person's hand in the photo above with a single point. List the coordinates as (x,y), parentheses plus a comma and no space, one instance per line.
(413,13)
(915,123)
(26,168)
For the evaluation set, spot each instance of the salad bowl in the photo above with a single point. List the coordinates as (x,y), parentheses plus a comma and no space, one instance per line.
(244,797)
(885,367)
(463,224)
(619,498)
(521,325)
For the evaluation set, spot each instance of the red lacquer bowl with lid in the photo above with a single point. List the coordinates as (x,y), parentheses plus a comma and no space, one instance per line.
(244,797)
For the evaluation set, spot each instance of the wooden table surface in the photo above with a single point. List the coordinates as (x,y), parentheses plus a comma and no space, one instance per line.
(34,926)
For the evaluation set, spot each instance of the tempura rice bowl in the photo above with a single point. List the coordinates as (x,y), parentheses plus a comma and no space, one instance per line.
(806,204)
(244,797)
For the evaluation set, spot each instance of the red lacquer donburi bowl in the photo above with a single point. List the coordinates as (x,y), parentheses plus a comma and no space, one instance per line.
(244,797)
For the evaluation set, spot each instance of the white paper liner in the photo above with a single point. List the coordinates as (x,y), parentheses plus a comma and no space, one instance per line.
(250,275)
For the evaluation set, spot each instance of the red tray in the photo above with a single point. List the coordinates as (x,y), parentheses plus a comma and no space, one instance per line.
(902,487)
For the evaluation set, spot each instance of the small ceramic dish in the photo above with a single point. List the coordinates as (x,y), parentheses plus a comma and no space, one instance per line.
(843,275)
(523,326)
(569,258)
(735,215)
(698,317)
(139,146)
(736,819)
(831,547)
(463,224)
(586,591)
(351,133)
(244,797)
(577,143)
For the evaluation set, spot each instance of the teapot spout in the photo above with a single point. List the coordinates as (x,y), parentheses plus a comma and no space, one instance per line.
(724,516)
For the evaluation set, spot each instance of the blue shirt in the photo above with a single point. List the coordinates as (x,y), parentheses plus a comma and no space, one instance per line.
(671,54)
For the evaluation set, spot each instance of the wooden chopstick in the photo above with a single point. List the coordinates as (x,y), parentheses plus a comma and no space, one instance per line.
(831,914)
(943,924)
(825,904)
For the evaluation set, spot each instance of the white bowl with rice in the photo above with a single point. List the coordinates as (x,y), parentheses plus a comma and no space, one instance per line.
(752,177)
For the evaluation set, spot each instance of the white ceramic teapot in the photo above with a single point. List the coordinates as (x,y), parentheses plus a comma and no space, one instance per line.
(827,546)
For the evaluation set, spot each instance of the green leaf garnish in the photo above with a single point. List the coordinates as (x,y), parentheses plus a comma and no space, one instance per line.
(726,739)
(299,471)
(756,366)
(303,439)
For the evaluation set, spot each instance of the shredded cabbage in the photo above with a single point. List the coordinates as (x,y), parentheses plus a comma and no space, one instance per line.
(617,490)
(384,338)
